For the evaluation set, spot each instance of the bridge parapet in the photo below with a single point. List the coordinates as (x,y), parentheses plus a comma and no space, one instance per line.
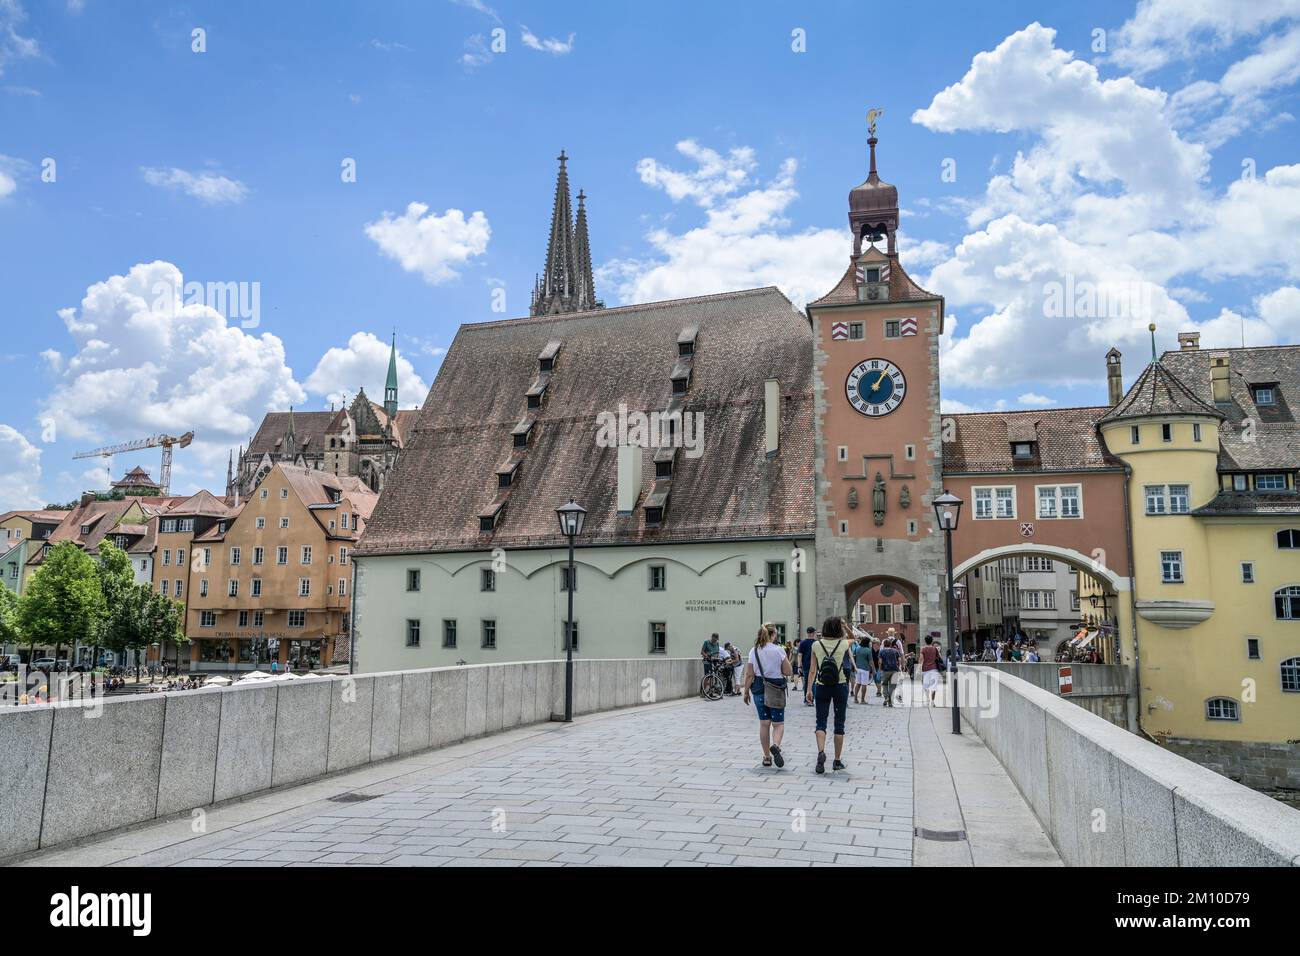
(1107,797)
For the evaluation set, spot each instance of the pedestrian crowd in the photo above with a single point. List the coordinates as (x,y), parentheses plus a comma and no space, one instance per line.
(828,667)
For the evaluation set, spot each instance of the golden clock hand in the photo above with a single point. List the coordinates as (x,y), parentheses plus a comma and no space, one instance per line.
(876,384)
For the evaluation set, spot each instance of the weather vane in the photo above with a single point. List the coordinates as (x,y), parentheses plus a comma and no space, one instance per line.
(873,114)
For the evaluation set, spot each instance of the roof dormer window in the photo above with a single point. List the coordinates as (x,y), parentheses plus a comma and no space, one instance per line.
(1022,450)
(1264,394)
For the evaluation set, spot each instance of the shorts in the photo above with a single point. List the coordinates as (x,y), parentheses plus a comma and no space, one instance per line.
(775,714)
(864,677)
(930,679)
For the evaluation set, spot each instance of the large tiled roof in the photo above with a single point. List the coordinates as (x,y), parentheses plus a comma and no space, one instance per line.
(36,517)
(1159,391)
(1066,440)
(447,475)
(1273,440)
(201,504)
(308,428)
(101,516)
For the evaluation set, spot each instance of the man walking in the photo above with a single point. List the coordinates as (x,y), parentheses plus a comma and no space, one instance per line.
(890,661)
(805,662)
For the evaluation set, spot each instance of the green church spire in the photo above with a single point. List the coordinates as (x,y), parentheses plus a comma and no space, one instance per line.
(390,387)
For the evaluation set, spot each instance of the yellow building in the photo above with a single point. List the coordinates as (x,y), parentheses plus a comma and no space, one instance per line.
(1213,450)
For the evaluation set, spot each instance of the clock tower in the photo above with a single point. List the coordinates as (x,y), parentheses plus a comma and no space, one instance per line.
(878,431)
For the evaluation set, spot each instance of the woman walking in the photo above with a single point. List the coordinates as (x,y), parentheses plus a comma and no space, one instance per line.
(765,677)
(863,663)
(832,670)
(930,668)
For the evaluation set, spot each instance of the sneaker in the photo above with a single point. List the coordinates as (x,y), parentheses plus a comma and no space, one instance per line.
(821,762)
(837,765)
(776,757)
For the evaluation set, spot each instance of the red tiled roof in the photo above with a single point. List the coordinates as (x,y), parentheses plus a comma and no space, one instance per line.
(1066,439)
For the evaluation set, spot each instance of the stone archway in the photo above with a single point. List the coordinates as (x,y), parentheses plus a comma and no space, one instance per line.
(884,589)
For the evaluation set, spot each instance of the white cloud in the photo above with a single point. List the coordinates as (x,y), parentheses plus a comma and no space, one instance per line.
(476,52)
(1034,400)
(20,478)
(13,45)
(364,364)
(7,184)
(210,188)
(745,241)
(430,244)
(548,45)
(140,368)
(1108,201)
(1162,31)
(480,7)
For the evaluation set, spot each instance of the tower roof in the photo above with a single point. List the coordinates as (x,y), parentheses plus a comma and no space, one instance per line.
(392,365)
(566,284)
(1158,391)
(873,194)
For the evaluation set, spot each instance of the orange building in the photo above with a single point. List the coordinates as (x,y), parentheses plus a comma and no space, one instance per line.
(273,581)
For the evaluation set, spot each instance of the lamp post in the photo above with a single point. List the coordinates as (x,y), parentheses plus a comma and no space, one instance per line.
(760,592)
(947,511)
(572,517)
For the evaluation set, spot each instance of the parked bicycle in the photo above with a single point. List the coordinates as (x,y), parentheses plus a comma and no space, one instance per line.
(712,684)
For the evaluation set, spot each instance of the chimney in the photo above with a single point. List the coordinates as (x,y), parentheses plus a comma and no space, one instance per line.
(1114,377)
(1188,341)
(1219,383)
(87,497)
(629,477)
(772,415)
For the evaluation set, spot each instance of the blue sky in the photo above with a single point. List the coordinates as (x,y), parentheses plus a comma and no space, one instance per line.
(1147,153)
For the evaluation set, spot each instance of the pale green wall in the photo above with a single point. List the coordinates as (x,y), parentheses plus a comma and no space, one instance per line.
(612,605)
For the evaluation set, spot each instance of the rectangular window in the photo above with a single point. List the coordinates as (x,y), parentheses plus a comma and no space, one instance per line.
(891,328)
(258,555)
(487,580)
(1196,431)
(343,587)
(1071,501)
(304,587)
(306,554)
(1060,501)
(1133,434)
(180,557)
(257,618)
(884,614)
(282,555)
(1264,395)
(169,526)
(979,606)
(1252,648)
(1238,482)
(574,630)
(343,521)
(1247,572)
(207,619)
(1271,482)
(343,555)
(1179,499)
(243,619)
(263,494)
(234,555)
(448,632)
(1155,497)
(284,493)
(568,582)
(776,574)
(233,589)
(1166,432)
(1171,567)
(658,577)
(284,523)
(207,557)
(179,586)
(983,502)
(842,453)
(261,523)
(185,524)
(167,557)
(257,587)
(489,634)
(412,579)
(165,585)
(857,330)
(298,618)
(658,637)
(203,587)
(995,502)
(412,632)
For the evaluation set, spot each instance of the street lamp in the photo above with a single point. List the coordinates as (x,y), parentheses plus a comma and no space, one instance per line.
(760,592)
(947,511)
(572,517)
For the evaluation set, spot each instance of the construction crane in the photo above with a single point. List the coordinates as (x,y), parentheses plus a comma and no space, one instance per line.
(166,441)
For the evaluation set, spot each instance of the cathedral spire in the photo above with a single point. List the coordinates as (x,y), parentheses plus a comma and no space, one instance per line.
(558,281)
(390,387)
(586,291)
(230,474)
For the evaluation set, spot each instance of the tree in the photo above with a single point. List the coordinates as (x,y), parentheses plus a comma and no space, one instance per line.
(165,623)
(9,631)
(63,602)
(116,578)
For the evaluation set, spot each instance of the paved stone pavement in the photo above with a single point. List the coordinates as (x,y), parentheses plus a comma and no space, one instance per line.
(664,785)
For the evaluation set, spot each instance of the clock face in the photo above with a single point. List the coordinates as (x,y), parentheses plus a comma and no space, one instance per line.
(875,387)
